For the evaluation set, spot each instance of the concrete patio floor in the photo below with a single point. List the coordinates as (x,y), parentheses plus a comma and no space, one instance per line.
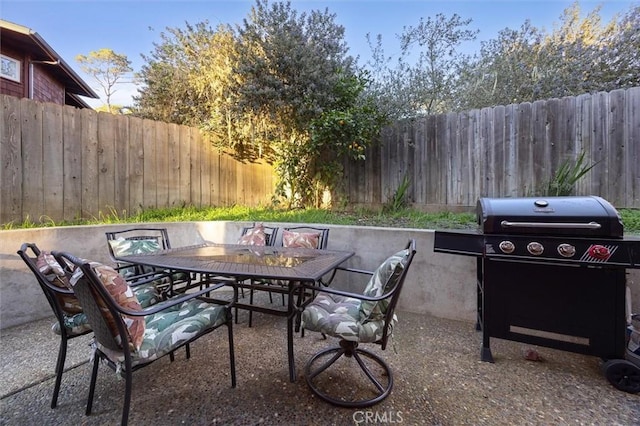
(439,380)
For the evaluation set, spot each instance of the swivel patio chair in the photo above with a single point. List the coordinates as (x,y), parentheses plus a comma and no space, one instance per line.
(356,318)
(144,240)
(71,322)
(128,337)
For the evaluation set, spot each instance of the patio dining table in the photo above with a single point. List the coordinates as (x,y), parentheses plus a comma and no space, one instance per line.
(250,266)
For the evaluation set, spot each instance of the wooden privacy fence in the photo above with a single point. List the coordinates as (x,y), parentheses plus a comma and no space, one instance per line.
(63,163)
(507,151)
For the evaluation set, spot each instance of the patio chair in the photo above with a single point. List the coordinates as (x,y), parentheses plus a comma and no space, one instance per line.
(71,322)
(256,235)
(295,236)
(356,318)
(144,240)
(129,337)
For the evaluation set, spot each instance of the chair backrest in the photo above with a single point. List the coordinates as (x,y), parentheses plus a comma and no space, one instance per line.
(60,297)
(394,271)
(270,233)
(98,304)
(137,241)
(305,236)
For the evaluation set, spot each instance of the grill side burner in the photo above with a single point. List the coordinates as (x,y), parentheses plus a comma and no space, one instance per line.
(550,272)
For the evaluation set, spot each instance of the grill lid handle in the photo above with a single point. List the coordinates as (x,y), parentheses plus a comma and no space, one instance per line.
(560,225)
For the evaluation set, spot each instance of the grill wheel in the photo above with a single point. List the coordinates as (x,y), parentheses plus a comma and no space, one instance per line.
(622,374)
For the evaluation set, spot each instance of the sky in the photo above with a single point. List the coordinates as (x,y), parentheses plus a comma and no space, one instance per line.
(131,27)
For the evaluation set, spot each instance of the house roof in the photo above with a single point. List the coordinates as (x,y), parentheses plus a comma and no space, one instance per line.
(29,41)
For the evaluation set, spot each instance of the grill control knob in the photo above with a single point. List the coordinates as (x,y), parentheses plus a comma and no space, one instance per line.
(566,250)
(507,247)
(535,248)
(599,252)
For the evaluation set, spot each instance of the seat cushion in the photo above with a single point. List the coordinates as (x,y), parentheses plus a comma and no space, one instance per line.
(123,295)
(127,247)
(300,239)
(124,247)
(74,324)
(255,236)
(53,272)
(169,329)
(339,316)
(382,281)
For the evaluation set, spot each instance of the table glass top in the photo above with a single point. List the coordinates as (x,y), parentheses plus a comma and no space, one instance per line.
(266,256)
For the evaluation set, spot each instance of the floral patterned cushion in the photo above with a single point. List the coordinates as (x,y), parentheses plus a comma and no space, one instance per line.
(123,295)
(52,270)
(125,247)
(355,319)
(168,329)
(300,239)
(382,281)
(147,294)
(339,316)
(75,324)
(254,236)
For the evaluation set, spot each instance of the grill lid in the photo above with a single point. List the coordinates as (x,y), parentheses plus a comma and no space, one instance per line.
(573,216)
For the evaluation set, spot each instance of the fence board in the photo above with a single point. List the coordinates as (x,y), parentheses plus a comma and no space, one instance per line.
(617,188)
(184,166)
(32,178)
(150,164)
(121,166)
(11,170)
(106,163)
(173,166)
(52,152)
(72,164)
(135,164)
(633,145)
(90,169)
(162,163)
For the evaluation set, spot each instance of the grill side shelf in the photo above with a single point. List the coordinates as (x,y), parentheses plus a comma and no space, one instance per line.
(462,243)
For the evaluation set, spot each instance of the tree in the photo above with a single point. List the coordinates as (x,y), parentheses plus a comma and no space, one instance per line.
(580,55)
(291,71)
(269,90)
(424,77)
(107,68)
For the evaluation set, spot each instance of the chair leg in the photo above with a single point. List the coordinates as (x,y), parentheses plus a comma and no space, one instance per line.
(382,384)
(232,357)
(62,355)
(127,397)
(251,310)
(92,384)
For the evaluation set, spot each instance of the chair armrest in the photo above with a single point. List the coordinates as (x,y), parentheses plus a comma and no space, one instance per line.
(348,294)
(161,306)
(345,269)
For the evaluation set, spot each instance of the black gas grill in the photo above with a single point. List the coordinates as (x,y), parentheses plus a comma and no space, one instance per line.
(551,272)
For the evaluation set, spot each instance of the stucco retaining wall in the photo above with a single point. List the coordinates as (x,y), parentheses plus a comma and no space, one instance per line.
(442,285)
